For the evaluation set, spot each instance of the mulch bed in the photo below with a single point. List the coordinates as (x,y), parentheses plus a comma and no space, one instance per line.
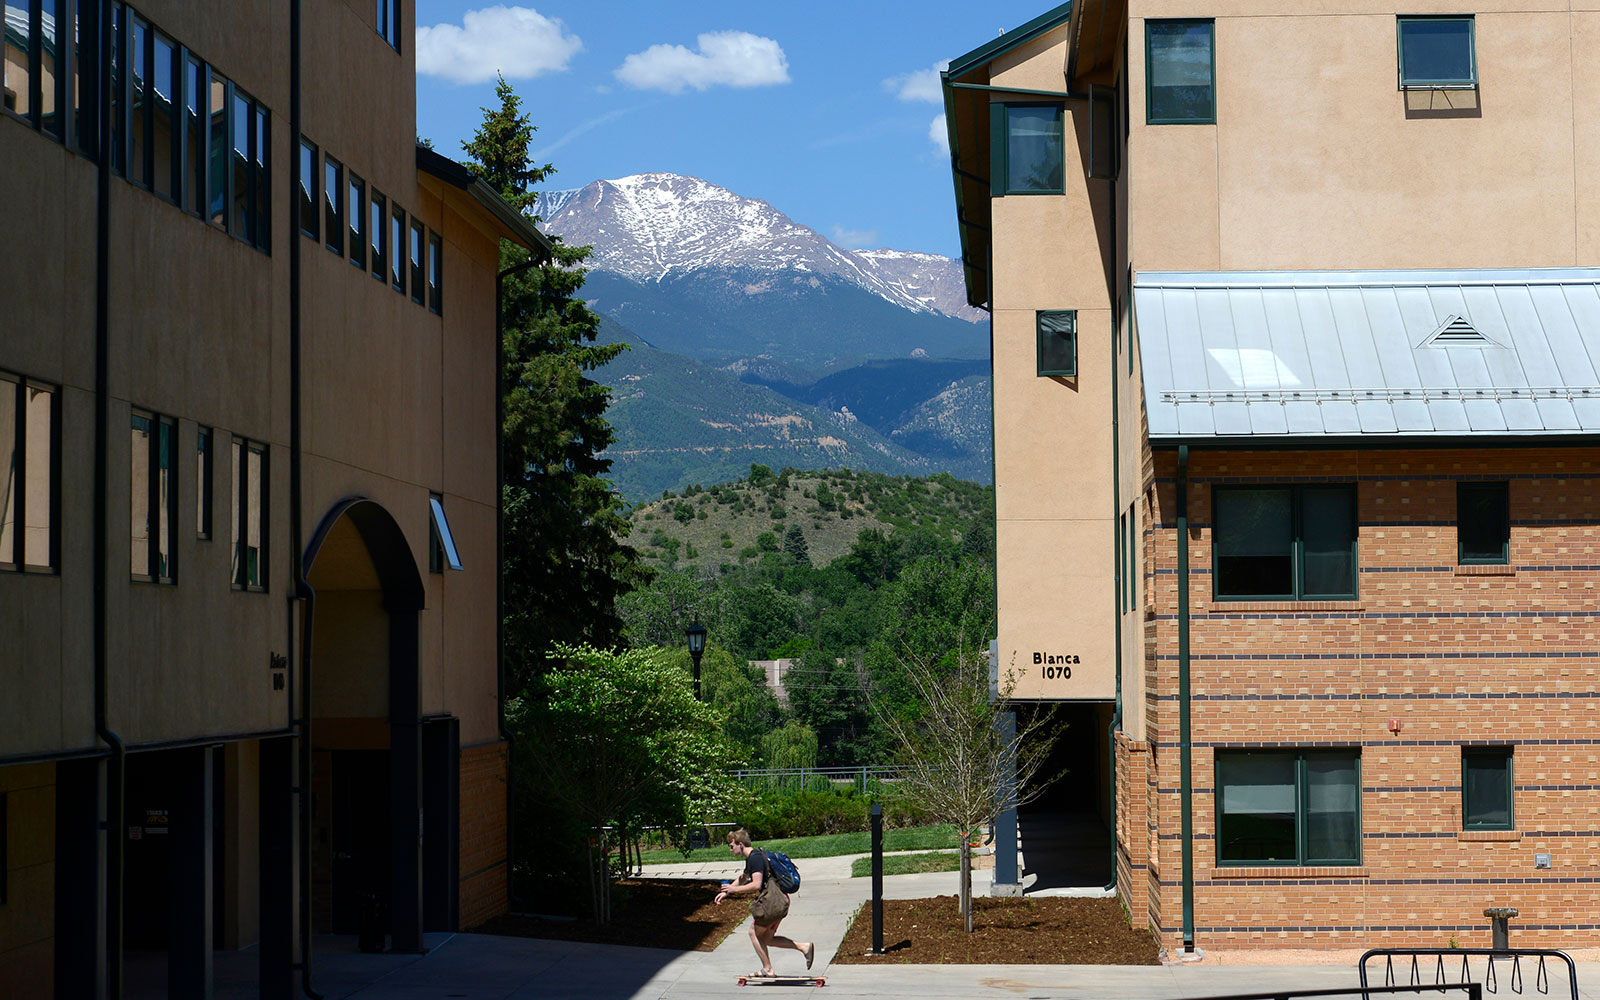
(1049,930)
(645,913)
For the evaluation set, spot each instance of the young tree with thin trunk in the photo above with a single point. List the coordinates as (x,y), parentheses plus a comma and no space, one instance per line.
(956,760)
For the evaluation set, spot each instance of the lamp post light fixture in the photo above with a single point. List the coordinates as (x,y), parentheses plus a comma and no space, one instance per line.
(697,648)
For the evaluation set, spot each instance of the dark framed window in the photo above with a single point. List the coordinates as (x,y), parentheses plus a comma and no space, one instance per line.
(389,22)
(1180,72)
(245,216)
(1058,341)
(138,101)
(397,248)
(152,498)
(165,178)
(419,291)
(435,272)
(378,230)
(202,484)
(1288,807)
(1437,52)
(306,191)
(1483,524)
(1486,789)
(217,111)
(31,64)
(195,119)
(1028,149)
(1284,543)
(249,515)
(30,474)
(357,209)
(333,205)
(261,178)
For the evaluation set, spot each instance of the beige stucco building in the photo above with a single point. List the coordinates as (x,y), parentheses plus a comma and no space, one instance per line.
(248,520)
(1329,268)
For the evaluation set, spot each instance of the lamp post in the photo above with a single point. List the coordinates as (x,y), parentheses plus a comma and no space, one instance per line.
(697,647)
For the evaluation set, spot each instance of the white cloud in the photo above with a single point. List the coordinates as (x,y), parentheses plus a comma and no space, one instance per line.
(939,134)
(726,58)
(923,85)
(516,41)
(854,239)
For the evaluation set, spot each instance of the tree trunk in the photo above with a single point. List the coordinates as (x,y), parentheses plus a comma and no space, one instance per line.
(966,882)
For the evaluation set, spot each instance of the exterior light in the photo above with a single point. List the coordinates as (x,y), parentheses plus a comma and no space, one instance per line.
(697,647)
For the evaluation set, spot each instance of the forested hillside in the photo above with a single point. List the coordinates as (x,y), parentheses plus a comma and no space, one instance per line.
(850,573)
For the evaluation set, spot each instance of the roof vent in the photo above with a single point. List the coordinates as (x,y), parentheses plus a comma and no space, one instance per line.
(1455,331)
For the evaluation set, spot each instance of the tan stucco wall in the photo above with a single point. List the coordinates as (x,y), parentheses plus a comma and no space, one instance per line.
(1315,162)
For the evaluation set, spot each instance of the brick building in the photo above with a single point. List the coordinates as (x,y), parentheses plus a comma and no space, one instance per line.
(1298,492)
(248,497)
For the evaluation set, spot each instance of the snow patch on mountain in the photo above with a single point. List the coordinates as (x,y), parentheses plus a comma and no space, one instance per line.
(650,226)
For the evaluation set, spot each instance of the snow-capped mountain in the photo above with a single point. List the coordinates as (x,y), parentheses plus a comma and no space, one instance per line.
(660,226)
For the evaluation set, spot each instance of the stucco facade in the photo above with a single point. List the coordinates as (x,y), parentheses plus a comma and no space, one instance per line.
(173,654)
(1308,156)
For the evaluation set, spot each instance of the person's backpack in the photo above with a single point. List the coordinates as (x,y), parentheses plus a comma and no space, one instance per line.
(783,872)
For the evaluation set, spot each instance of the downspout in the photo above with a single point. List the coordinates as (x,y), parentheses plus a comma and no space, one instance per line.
(302,591)
(500,555)
(1116,477)
(1185,785)
(116,773)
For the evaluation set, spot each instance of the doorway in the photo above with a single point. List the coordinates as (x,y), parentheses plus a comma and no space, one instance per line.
(1065,831)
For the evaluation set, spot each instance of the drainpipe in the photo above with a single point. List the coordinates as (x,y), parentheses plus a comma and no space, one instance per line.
(1116,480)
(116,773)
(302,591)
(500,554)
(1186,787)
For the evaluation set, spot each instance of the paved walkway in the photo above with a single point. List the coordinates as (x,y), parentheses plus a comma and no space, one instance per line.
(480,967)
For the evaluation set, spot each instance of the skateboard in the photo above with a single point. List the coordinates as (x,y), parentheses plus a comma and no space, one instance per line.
(782,981)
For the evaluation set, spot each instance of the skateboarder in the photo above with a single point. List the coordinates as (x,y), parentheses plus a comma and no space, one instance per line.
(769,907)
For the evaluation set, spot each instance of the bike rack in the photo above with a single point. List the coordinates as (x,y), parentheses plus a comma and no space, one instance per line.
(1426,960)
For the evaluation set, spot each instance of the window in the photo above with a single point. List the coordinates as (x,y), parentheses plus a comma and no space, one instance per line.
(219,150)
(5,858)
(1180,73)
(358,221)
(441,543)
(1028,152)
(1483,524)
(1285,543)
(435,272)
(397,249)
(262,179)
(1437,52)
(306,193)
(29,474)
(1058,342)
(377,230)
(249,515)
(17,64)
(194,136)
(139,103)
(152,497)
(244,190)
(1486,794)
(1288,807)
(419,291)
(389,22)
(164,178)
(332,208)
(202,484)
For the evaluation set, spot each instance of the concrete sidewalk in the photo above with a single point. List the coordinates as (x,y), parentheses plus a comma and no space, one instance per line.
(481,967)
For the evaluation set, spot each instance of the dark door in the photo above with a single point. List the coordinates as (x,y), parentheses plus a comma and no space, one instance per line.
(361,854)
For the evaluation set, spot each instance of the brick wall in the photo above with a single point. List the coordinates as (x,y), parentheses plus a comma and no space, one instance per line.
(1504,656)
(483,833)
(1132,833)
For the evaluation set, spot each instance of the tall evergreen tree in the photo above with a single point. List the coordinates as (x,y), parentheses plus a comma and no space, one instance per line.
(565,561)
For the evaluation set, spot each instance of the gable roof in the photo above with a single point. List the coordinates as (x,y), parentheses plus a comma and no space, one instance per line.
(512,225)
(1369,354)
(991,50)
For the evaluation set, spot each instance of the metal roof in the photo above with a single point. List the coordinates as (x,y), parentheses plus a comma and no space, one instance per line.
(1365,354)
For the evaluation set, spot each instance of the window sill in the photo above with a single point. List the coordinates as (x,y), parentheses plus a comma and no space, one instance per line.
(1488,836)
(1291,872)
(1223,607)
(1485,569)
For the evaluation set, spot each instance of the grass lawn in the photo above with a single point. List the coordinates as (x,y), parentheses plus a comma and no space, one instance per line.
(908,864)
(829,845)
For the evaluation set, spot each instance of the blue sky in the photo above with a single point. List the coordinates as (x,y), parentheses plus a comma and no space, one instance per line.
(824,109)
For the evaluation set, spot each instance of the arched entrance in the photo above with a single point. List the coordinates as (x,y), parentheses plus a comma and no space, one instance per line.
(366,735)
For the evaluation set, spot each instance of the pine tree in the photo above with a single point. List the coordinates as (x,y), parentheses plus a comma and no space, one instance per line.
(794,543)
(565,561)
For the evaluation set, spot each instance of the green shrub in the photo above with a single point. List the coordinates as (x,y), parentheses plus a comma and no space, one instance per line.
(823,809)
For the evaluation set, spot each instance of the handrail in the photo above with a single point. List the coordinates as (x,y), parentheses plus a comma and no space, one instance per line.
(1474,991)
